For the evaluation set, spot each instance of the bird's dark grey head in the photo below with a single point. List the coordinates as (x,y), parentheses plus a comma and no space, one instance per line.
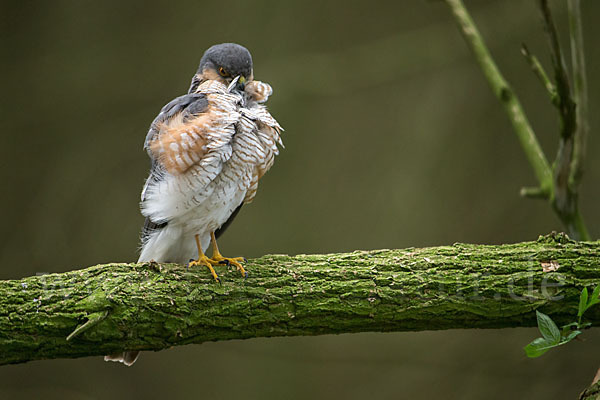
(226,61)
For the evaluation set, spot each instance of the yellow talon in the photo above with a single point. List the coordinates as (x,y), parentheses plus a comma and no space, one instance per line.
(204,260)
(217,258)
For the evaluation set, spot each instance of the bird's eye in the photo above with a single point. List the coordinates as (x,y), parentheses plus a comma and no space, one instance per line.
(222,72)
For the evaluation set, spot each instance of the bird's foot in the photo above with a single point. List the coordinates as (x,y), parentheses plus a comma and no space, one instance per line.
(206,262)
(219,259)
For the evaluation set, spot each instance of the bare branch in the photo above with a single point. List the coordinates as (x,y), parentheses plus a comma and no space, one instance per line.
(506,95)
(558,185)
(565,200)
(580,92)
(538,70)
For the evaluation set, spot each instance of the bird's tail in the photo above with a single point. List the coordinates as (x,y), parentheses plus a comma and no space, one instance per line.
(125,357)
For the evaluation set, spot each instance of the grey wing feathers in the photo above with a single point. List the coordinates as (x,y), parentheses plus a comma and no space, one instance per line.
(189,104)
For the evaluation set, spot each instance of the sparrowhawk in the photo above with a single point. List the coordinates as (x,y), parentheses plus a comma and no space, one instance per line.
(208,150)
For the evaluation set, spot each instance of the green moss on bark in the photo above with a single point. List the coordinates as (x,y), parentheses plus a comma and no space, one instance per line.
(153,307)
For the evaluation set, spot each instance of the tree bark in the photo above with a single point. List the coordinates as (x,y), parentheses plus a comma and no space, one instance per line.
(591,393)
(108,308)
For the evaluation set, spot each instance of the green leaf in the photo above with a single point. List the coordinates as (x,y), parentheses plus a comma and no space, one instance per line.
(583,297)
(570,337)
(567,329)
(538,347)
(548,328)
(596,293)
(594,299)
(570,326)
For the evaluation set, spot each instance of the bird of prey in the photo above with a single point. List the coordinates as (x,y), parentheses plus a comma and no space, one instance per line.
(208,150)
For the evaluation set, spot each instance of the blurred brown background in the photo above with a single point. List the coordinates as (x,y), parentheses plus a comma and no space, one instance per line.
(393,139)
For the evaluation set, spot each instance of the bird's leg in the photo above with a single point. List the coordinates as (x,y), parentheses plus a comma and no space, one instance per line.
(218,258)
(204,260)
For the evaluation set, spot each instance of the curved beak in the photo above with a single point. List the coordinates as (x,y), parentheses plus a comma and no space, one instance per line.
(241,83)
(233,83)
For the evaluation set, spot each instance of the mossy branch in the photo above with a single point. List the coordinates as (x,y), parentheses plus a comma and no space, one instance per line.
(108,308)
(591,393)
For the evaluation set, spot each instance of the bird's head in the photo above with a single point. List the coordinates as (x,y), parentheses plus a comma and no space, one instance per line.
(224,62)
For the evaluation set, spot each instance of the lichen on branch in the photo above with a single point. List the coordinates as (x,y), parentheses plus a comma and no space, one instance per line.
(107,308)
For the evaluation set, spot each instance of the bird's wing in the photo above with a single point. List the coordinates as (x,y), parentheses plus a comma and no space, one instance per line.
(188,105)
(188,143)
(183,107)
(177,111)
